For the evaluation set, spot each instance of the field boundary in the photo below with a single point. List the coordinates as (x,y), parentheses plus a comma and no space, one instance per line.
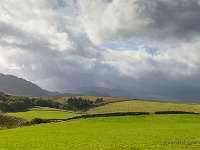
(40,120)
(174,112)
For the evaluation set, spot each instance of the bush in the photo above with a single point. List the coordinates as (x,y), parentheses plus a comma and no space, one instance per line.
(174,112)
(108,115)
(38,121)
(4,107)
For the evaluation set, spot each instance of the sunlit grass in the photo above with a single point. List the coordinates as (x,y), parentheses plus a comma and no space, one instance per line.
(154,132)
(147,106)
(43,113)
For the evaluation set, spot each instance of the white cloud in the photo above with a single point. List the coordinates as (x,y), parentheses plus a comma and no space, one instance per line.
(58,45)
(159,20)
(171,63)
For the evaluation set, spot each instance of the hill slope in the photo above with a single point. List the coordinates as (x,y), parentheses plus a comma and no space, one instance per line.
(13,85)
(178,95)
(144,106)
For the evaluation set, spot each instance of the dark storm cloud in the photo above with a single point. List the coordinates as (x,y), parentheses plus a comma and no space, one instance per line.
(60,45)
(154,20)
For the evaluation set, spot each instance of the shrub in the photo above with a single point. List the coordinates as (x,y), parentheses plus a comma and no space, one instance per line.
(38,121)
(174,112)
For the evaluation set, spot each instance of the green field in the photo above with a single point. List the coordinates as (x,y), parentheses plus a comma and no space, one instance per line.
(108,133)
(147,106)
(151,132)
(43,113)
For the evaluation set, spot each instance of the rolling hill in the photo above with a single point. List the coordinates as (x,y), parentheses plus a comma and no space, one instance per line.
(13,85)
(180,95)
(17,86)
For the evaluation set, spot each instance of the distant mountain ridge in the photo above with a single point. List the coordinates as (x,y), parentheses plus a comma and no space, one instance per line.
(17,86)
(95,93)
(101,91)
(13,85)
(167,95)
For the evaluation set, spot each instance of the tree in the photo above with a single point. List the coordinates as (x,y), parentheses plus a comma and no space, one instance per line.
(16,105)
(78,104)
(99,101)
(4,106)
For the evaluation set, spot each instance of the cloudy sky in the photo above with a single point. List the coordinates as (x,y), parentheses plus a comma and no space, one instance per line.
(150,45)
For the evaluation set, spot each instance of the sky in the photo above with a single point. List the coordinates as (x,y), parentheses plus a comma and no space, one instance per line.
(149,45)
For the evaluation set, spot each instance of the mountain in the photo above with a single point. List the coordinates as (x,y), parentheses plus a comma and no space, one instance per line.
(17,86)
(95,93)
(13,85)
(101,91)
(181,95)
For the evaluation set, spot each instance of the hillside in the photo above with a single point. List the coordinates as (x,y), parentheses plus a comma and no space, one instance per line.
(17,86)
(150,93)
(144,106)
(13,85)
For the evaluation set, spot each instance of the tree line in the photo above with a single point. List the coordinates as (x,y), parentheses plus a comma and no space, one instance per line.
(74,103)
(9,103)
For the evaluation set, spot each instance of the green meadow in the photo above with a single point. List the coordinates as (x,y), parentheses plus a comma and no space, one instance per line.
(44,113)
(144,105)
(145,132)
(150,132)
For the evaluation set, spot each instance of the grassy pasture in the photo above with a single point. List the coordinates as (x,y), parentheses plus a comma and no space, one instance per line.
(154,132)
(147,106)
(45,113)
